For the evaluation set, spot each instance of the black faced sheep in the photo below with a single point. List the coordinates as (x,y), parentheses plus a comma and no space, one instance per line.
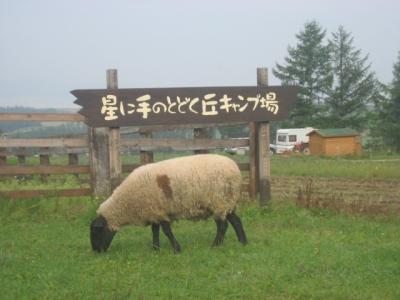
(193,187)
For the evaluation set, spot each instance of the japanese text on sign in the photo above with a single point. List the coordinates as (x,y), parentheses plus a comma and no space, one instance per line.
(112,108)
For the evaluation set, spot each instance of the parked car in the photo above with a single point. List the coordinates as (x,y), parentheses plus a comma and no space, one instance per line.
(237,150)
(242,150)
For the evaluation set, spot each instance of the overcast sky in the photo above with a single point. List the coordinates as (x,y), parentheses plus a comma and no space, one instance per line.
(48,48)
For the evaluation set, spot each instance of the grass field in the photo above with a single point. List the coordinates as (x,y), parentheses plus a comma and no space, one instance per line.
(365,168)
(293,253)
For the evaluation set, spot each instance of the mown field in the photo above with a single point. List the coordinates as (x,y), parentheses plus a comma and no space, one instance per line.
(293,252)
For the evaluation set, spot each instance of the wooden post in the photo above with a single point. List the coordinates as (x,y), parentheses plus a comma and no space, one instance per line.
(200,133)
(104,146)
(146,157)
(21,159)
(99,157)
(21,156)
(114,138)
(253,172)
(3,156)
(263,148)
(44,160)
(73,159)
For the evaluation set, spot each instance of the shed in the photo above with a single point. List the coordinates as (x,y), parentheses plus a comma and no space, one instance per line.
(335,142)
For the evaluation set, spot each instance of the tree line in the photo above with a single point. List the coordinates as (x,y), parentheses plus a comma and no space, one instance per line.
(338,88)
(10,126)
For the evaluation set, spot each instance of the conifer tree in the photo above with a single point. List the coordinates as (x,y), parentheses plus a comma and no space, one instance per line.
(390,115)
(354,85)
(308,66)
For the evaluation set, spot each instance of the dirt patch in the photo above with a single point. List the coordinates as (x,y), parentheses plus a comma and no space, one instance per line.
(341,194)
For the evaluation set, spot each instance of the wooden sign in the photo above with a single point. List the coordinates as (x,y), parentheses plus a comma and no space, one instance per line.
(193,105)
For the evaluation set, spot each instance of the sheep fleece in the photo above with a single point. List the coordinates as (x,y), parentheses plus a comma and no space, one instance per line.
(192,187)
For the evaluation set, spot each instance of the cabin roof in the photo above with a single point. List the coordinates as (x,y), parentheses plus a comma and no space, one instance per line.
(335,132)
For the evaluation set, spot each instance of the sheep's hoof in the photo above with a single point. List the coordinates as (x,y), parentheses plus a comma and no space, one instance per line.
(177,249)
(217,242)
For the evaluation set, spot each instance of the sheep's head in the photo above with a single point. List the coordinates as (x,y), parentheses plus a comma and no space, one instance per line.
(100,235)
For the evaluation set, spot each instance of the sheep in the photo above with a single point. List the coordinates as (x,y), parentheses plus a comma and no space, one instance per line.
(192,187)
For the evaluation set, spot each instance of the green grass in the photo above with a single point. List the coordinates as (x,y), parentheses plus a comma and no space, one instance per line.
(292,254)
(34,182)
(310,166)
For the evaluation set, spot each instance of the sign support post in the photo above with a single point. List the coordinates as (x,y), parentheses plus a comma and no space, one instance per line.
(253,178)
(99,157)
(114,138)
(263,148)
(104,152)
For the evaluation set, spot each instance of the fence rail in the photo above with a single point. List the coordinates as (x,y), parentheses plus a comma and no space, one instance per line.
(39,143)
(29,151)
(42,117)
(74,117)
(39,169)
(151,144)
(26,194)
(145,144)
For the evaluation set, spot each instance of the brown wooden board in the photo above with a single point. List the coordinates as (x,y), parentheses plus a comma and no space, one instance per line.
(149,144)
(27,194)
(49,151)
(26,170)
(41,117)
(158,106)
(56,142)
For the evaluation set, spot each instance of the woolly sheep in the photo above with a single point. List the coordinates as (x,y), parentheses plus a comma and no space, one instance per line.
(193,187)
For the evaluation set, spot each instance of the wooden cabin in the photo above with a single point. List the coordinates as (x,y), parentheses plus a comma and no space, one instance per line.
(335,142)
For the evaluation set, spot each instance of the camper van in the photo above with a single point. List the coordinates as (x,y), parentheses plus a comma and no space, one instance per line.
(287,140)
(292,139)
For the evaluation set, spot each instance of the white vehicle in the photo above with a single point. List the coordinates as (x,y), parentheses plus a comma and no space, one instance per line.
(238,150)
(292,139)
(243,150)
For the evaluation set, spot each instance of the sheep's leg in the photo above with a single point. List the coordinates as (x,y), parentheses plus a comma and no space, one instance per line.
(237,225)
(167,231)
(222,226)
(155,228)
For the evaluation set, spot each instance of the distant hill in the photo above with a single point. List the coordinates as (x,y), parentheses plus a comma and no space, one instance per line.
(27,109)
(12,126)
(65,129)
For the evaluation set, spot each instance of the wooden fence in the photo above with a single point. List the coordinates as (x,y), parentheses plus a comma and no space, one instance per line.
(104,148)
(73,147)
